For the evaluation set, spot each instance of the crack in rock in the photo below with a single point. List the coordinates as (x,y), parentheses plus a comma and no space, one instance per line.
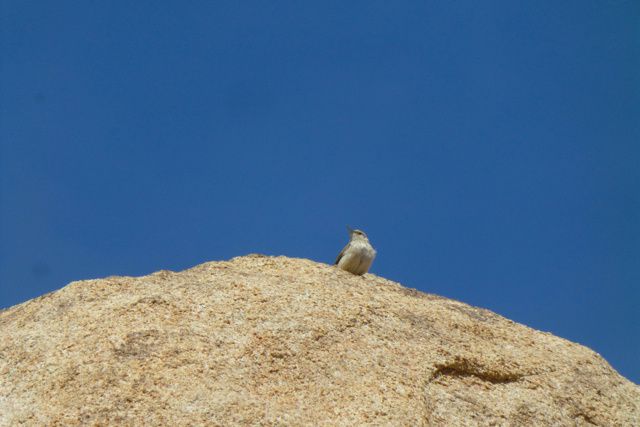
(467,368)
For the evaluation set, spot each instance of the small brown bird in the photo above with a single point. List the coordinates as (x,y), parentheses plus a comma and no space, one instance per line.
(358,255)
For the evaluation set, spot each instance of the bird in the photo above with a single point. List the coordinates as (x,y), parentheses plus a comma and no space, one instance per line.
(357,256)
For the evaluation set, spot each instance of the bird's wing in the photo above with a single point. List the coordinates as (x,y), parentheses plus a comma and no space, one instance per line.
(340,255)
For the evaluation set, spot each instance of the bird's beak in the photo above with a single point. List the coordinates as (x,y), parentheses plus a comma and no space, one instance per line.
(349,229)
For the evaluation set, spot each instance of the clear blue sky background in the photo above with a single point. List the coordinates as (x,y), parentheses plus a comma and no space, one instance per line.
(489,149)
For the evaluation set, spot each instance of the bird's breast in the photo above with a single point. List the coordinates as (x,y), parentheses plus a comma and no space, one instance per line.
(363,249)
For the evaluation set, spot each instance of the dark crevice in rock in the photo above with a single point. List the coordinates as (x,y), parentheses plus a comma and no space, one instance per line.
(465,368)
(588,419)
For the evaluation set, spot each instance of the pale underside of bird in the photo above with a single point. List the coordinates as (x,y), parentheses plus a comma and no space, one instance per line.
(358,255)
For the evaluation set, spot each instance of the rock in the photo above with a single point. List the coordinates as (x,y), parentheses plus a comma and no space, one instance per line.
(278,341)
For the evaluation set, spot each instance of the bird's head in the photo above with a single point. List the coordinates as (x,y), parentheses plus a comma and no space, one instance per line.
(356,234)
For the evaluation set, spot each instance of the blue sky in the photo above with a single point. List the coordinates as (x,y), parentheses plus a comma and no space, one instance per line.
(489,149)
